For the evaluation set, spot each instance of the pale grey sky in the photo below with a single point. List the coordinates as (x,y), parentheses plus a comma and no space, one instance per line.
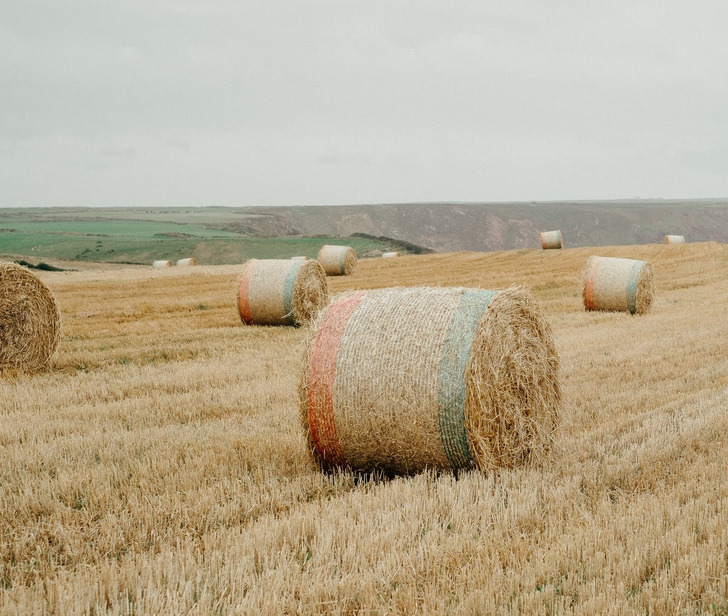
(232,102)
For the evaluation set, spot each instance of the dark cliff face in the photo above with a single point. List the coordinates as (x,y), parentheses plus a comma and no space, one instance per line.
(502,226)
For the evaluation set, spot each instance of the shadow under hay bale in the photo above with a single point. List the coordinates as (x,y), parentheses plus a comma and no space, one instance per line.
(281,291)
(551,240)
(404,379)
(674,239)
(30,320)
(621,285)
(337,260)
(189,261)
(162,264)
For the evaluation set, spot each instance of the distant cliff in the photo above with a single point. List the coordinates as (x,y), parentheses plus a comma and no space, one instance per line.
(499,226)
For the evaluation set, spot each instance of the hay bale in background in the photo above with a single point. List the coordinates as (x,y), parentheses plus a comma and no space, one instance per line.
(404,379)
(30,320)
(674,239)
(390,255)
(615,284)
(187,262)
(162,264)
(281,291)
(300,258)
(551,239)
(337,260)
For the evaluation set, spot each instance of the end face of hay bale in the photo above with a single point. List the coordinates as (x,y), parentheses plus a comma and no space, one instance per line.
(551,240)
(189,261)
(337,260)
(162,264)
(30,320)
(281,291)
(621,285)
(390,255)
(408,379)
(674,239)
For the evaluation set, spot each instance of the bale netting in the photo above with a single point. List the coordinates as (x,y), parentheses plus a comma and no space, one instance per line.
(162,264)
(281,291)
(551,239)
(404,379)
(614,284)
(337,260)
(674,239)
(390,255)
(189,261)
(30,320)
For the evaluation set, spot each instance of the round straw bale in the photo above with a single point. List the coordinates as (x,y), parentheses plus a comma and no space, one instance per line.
(161,264)
(281,291)
(617,284)
(337,260)
(390,255)
(551,239)
(187,262)
(403,379)
(300,258)
(30,320)
(674,239)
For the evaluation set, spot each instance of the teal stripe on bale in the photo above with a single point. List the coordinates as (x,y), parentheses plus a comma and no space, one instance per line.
(451,376)
(288,291)
(634,275)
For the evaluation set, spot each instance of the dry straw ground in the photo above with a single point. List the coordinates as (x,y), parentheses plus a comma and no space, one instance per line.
(160,467)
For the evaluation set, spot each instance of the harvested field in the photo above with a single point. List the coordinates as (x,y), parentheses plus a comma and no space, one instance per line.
(160,466)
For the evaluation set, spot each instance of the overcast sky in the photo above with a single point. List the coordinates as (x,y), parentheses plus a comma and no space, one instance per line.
(233,102)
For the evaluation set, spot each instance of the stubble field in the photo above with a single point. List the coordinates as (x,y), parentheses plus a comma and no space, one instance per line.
(159,466)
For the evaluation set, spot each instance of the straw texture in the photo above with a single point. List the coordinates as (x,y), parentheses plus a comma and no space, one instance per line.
(281,291)
(162,263)
(613,284)
(30,320)
(404,379)
(674,239)
(551,239)
(187,262)
(390,255)
(337,260)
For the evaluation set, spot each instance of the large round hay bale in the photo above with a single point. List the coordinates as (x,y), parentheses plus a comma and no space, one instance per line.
(30,320)
(337,260)
(614,284)
(404,379)
(390,255)
(281,291)
(162,264)
(189,261)
(551,239)
(674,239)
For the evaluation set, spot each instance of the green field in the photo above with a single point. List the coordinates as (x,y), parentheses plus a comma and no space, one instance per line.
(141,236)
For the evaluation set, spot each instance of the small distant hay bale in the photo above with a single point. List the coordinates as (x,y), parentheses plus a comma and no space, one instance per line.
(337,260)
(614,284)
(674,239)
(189,261)
(403,379)
(390,255)
(162,264)
(281,291)
(30,320)
(551,239)
(300,258)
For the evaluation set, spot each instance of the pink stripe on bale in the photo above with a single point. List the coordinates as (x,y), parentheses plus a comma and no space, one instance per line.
(321,379)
